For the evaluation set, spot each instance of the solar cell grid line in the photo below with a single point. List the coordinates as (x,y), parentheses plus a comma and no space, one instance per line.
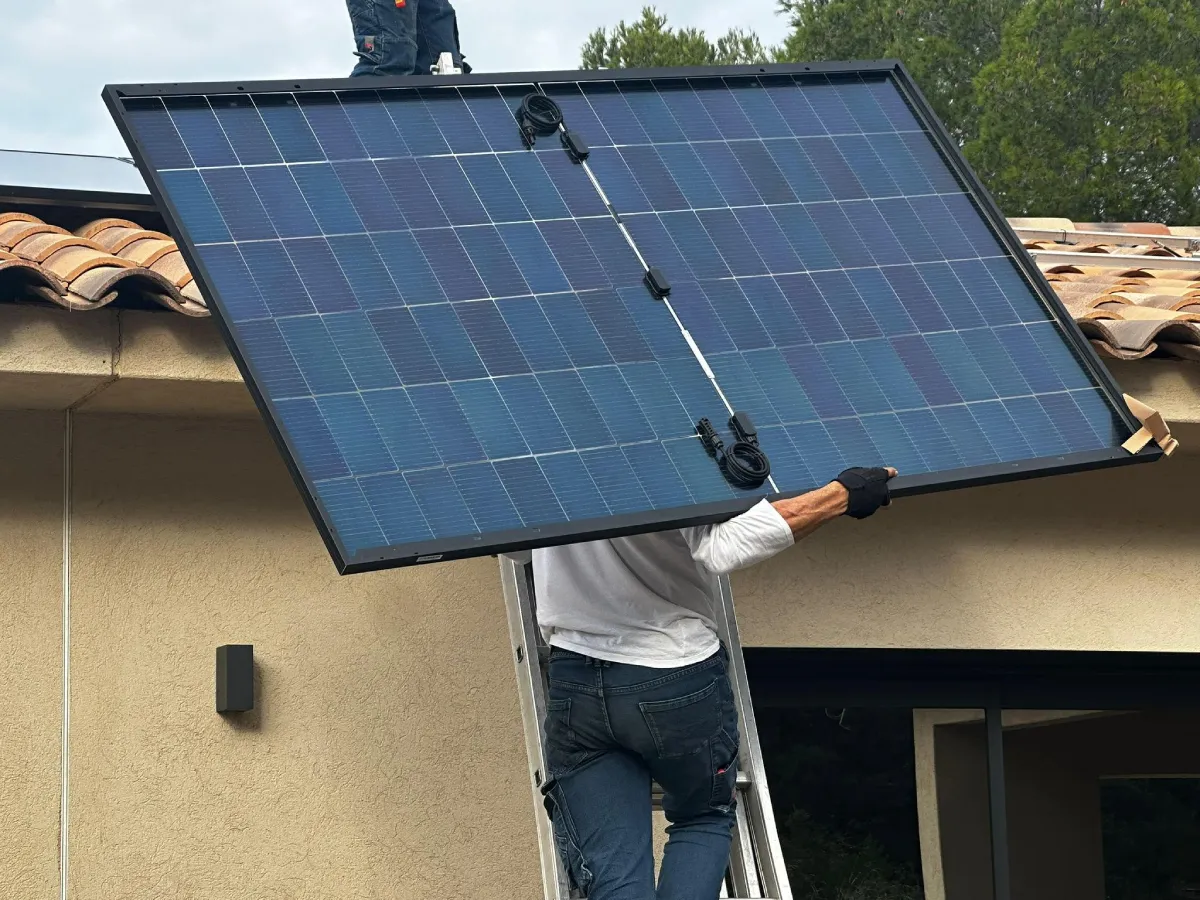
(448,334)
(827,259)
(452,332)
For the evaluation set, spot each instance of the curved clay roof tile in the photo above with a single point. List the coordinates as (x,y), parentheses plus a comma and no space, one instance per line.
(71,262)
(14,231)
(99,226)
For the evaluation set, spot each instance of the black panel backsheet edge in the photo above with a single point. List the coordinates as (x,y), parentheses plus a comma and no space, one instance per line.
(659,520)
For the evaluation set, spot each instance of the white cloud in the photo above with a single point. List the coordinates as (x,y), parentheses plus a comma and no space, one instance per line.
(56,55)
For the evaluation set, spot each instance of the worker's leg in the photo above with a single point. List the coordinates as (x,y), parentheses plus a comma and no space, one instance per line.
(598,794)
(385,36)
(694,725)
(437,33)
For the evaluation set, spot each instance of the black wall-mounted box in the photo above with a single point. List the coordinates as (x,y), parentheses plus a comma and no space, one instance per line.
(235,678)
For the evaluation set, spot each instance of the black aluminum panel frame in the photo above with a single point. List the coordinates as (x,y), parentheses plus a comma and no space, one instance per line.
(446,549)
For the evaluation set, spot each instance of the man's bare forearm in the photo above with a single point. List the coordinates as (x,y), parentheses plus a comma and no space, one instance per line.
(808,512)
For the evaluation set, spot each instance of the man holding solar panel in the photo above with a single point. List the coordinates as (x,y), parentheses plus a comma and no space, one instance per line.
(639,690)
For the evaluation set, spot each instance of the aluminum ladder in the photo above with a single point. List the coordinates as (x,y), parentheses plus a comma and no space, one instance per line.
(756,867)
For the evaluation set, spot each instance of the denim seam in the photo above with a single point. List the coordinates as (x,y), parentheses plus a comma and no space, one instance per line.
(666,679)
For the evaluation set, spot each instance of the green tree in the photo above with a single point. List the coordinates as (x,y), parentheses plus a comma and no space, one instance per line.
(1092,111)
(649,42)
(1081,108)
(944,43)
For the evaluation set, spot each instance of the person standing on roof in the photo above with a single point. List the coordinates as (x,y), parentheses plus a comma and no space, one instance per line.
(403,37)
(639,689)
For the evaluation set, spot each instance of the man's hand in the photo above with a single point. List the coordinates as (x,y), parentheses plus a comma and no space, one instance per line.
(866,490)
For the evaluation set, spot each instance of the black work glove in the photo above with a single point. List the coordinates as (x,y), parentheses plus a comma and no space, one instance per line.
(868,490)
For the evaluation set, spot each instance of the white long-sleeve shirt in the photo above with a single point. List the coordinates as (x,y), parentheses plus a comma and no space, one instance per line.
(648,600)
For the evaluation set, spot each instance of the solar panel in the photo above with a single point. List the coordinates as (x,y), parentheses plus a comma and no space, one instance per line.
(449,331)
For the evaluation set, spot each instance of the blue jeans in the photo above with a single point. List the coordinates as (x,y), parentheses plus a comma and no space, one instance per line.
(610,729)
(402,40)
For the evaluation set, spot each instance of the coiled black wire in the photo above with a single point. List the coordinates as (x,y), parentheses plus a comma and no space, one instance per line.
(745,464)
(539,115)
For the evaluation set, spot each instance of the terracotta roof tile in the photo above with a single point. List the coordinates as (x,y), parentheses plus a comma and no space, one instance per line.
(1128,310)
(94,266)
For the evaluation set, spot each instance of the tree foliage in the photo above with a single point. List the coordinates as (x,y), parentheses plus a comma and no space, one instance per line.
(649,42)
(1091,111)
(1088,109)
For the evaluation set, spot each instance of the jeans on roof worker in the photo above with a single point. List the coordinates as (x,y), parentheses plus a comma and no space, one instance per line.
(403,37)
(639,690)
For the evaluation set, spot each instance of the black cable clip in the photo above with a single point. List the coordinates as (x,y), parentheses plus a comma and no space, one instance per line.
(538,116)
(744,464)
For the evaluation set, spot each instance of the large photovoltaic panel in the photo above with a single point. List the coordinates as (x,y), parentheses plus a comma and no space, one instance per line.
(449,333)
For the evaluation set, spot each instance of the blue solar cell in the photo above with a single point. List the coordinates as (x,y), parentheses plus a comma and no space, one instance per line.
(573,487)
(322,276)
(495,190)
(361,351)
(453,334)
(401,429)
(310,436)
(527,487)
(493,114)
(612,474)
(446,424)
(485,497)
(405,347)
(228,273)
(319,359)
(451,345)
(862,106)
(575,409)
(395,508)
(615,326)
(454,269)
(289,128)
(535,416)
(493,341)
(273,363)
(493,262)
(412,119)
(490,419)
(895,447)
(617,405)
(756,103)
(157,133)
(369,279)
(454,120)
(350,512)
(658,401)
(849,307)
(328,121)
(372,124)
(355,433)
(657,475)
(539,344)
(441,502)
(238,204)
(855,378)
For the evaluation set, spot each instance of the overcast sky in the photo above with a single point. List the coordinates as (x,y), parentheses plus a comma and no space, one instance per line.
(56,55)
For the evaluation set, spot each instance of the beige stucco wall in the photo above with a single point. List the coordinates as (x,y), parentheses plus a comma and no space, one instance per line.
(385,759)
(30,652)
(1105,560)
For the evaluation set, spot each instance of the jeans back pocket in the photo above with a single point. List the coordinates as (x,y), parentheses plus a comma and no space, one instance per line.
(684,725)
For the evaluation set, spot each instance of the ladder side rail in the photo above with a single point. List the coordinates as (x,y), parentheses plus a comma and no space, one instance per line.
(518,601)
(760,811)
